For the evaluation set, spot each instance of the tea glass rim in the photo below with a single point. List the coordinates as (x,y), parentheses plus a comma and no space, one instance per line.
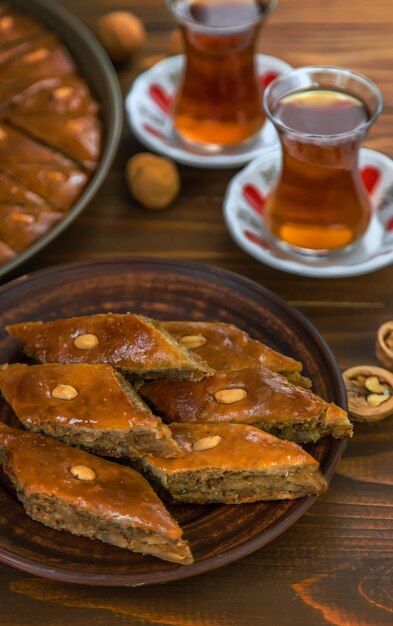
(327,69)
(202,28)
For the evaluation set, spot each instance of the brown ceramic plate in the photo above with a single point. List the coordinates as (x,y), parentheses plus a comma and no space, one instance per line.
(218,534)
(96,68)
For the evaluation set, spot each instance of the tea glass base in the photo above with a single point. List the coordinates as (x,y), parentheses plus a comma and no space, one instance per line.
(311,253)
(215,148)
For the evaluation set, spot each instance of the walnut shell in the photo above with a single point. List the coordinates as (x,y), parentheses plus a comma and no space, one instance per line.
(384,345)
(153,181)
(121,33)
(367,402)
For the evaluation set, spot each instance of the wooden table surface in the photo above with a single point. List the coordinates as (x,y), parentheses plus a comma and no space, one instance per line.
(335,565)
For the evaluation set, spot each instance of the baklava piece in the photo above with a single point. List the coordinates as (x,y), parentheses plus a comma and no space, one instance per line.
(61,183)
(21,226)
(67,95)
(134,344)
(10,50)
(68,489)
(91,406)
(13,193)
(42,99)
(16,147)
(26,73)
(224,346)
(252,395)
(42,170)
(16,27)
(24,216)
(235,463)
(76,137)
(63,117)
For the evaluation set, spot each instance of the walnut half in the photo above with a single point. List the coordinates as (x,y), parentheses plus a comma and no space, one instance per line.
(370,393)
(384,345)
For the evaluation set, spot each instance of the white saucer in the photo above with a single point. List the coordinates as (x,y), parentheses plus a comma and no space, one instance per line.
(243,213)
(148,105)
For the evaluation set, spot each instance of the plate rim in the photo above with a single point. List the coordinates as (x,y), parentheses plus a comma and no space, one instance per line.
(250,545)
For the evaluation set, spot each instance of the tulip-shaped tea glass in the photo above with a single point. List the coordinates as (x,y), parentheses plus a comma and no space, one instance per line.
(218,102)
(322,114)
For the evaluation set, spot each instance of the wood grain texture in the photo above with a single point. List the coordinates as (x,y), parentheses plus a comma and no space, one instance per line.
(334,565)
(371,590)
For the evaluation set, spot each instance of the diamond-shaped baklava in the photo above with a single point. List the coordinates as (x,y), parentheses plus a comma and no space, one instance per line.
(68,489)
(251,395)
(134,344)
(234,463)
(86,405)
(224,346)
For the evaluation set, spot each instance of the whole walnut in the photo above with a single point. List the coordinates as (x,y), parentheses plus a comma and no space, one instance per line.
(153,181)
(121,33)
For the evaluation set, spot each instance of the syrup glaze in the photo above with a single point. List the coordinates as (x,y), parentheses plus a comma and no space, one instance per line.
(270,399)
(41,466)
(125,341)
(101,403)
(241,448)
(228,347)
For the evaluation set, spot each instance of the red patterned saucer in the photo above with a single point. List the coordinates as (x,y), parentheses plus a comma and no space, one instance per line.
(148,107)
(244,205)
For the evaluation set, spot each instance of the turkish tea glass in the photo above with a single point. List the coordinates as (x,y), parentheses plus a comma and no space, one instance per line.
(219,102)
(322,114)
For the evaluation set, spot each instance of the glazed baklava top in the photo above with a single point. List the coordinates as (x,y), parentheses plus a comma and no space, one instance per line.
(130,342)
(42,466)
(249,395)
(80,395)
(224,346)
(230,447)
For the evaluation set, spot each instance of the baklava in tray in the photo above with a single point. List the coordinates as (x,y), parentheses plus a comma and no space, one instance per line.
(50,131)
